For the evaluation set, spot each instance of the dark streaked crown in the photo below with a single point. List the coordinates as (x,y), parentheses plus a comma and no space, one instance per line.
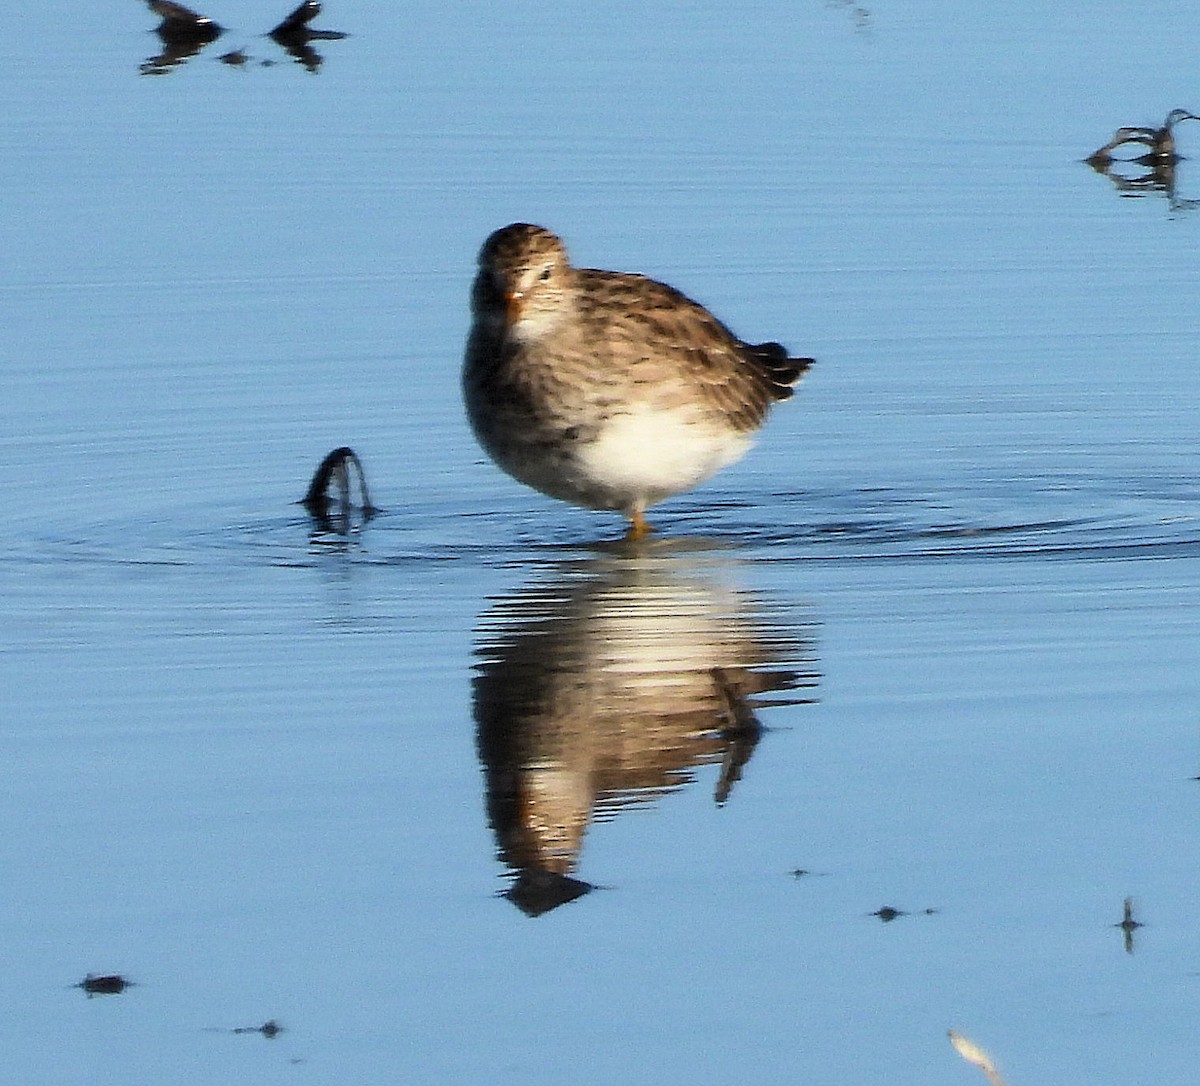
(520,244)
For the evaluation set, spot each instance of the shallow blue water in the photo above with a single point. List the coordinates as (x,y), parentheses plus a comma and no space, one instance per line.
(258,770)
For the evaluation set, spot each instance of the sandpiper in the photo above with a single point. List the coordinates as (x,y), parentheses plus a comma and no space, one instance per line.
(606,389)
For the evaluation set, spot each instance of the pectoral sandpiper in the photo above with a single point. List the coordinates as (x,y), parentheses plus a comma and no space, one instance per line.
(607,389)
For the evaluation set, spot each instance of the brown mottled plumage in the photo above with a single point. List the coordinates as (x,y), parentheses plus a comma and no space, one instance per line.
(606,389)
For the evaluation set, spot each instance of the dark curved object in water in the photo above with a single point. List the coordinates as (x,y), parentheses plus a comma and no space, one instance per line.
(337,472)
(1158,162)
(1159,141)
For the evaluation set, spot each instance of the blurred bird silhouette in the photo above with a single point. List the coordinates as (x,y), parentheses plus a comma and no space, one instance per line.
(295,35)
(185,32)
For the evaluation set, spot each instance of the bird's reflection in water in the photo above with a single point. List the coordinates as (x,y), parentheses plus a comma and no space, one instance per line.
(606,687)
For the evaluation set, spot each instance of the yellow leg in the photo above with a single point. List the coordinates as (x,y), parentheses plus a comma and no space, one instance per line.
(638,527)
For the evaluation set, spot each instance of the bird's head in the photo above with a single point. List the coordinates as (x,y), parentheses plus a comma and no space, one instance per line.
(525,279)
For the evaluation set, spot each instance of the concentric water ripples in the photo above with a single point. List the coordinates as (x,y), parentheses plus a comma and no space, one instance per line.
(1008,519)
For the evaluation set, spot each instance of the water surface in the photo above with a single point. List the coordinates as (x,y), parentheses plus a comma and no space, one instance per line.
(932,646)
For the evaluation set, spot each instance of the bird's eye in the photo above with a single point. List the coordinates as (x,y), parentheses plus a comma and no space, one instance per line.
(545,274)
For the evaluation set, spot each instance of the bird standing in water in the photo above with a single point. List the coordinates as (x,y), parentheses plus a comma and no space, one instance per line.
(606,389)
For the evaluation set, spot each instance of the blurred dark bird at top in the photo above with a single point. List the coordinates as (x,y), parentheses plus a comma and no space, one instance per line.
(294,35)
(297,24)
(183,33)
(182,24)
(1160,142)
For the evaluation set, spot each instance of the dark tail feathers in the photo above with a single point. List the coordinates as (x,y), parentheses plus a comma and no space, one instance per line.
(780,371)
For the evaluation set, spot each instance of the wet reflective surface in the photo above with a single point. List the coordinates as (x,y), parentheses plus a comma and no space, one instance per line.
(463,791)
(608,687)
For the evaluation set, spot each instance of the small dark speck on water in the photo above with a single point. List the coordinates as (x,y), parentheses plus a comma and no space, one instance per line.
(270,1028)
(887,914)
(105,984)
(1128,925)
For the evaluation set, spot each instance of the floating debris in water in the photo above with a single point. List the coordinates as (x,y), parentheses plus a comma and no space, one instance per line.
(1160,142)
(1128,925)
(270,1028)
(799,873)
(972,1053)
(1159,158)
(331,498)
(860,14)
(104,984)
(887,914)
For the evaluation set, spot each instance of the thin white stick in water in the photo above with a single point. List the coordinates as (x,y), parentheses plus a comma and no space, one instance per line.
(972,1053)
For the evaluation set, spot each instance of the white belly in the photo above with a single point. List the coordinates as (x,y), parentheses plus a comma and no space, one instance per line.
(649,454)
